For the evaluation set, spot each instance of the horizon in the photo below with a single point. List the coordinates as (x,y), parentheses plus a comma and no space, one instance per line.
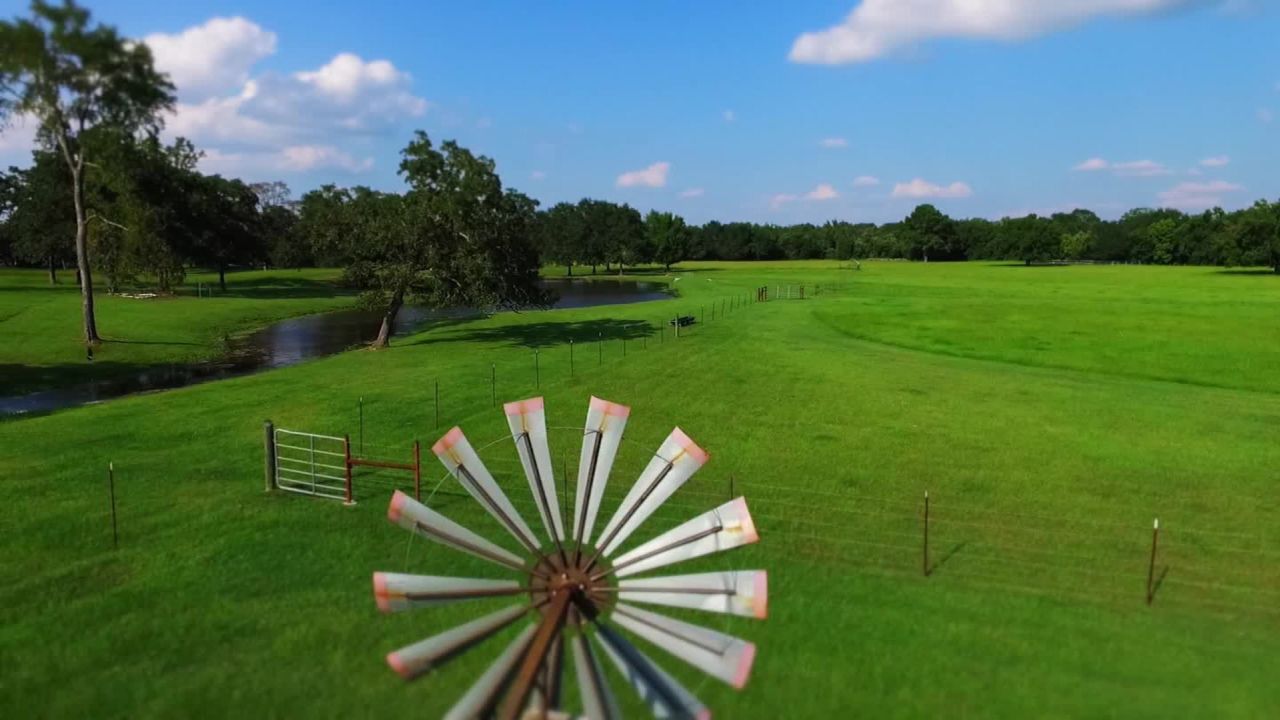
(610,103)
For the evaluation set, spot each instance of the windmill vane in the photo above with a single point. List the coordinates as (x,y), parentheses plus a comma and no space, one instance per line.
(572,586)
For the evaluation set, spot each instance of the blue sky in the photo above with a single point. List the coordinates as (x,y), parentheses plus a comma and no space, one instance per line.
(780,112)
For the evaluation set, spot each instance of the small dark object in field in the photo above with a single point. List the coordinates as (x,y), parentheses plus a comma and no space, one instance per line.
(682,321)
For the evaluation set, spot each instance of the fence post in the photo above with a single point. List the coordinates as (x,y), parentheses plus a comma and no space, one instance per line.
(269,461)
(925,565)
(570,357)
(493,382)
(537,372)
(346,452)
(111,488)
(600,348)
(417,471)
(1151,569)
(362,425)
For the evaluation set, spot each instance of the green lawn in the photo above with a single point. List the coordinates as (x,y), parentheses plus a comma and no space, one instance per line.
(43,346)
(1050,412)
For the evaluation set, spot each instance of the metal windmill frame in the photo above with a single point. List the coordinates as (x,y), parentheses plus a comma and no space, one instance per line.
(578,589)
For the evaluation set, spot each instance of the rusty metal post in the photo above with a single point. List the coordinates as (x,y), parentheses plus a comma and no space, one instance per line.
(269,448)
(362,425)
(1151,568)
(346,452)
(571,358)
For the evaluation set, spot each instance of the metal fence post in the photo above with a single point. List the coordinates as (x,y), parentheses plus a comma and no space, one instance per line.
(571,357)
(346,451)
(537,372)
(269,448)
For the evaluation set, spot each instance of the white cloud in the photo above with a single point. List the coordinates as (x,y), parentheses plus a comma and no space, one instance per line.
(18,139)
(866,181)
(1195,171)
(822,192)
(877,27)
(654,176)
(538,175)
(781,199)
(920,188)
(1133,168)
(212,58)
(1216,161)
(1092,165)
(277,121)
(290,159)
(1197,195)
(728,116)
(1139,168)
(834,142)
(693,193)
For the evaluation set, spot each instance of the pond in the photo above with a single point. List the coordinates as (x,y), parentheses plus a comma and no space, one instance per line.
(292,341)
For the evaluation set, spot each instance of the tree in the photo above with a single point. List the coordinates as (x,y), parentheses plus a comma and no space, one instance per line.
(562,235)
(1257,234)
(226,227)
(669,237)
(73,79)
(37,208)
(455,239)
(1076,244)
(931,233)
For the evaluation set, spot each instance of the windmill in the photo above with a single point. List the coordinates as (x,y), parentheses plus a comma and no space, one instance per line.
(579,590)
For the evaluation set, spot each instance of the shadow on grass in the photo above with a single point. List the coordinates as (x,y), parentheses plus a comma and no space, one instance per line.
(277,288)
(545,334)
(933,567)
(1246,271)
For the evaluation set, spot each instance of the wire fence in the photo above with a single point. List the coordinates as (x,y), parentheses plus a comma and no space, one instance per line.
(1030,550)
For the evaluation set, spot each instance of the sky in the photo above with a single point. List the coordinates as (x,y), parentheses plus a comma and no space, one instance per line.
(718,110)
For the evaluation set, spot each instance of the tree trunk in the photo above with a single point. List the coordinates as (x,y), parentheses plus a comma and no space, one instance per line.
(388,321)
(53,271)
(82,254)
(569,267)
(593,268)
(222,278)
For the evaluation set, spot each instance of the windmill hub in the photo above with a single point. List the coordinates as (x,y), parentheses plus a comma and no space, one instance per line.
(588,582)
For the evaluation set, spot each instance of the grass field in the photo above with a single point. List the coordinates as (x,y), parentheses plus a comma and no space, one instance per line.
(43,344)
(1050,412)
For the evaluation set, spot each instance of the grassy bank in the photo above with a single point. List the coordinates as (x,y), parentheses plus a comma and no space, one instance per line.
(1050,412)
(43,342)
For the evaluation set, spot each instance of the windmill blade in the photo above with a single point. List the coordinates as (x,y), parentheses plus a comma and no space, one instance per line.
(724,528)
(484,693)
(675,462)
(663,694)
(597,700)
(461,460)
(739,592)
(413,660)
(528,422)
(721,656)
(418,518)
(600,439)
(396,592)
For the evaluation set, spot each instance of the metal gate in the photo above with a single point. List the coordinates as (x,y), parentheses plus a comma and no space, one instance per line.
(312,464)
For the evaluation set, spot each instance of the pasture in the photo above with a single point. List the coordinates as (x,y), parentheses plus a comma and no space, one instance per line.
(1051,413)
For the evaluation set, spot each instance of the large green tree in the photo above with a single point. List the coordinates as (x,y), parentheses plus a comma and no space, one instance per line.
(37,211)
(457,238)
(932,234)
(669,237)
(73,78)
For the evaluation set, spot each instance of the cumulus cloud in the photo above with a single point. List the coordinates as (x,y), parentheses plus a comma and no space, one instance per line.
(243,120)
(781,199)
(18,139)
(1132,168)
(654,176)
(822,192)
(921,188)
(876,28)
(1216,161)
(1197,195)
(212,58)
(834,142)
(863,181)
(693,193)
(293,158)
